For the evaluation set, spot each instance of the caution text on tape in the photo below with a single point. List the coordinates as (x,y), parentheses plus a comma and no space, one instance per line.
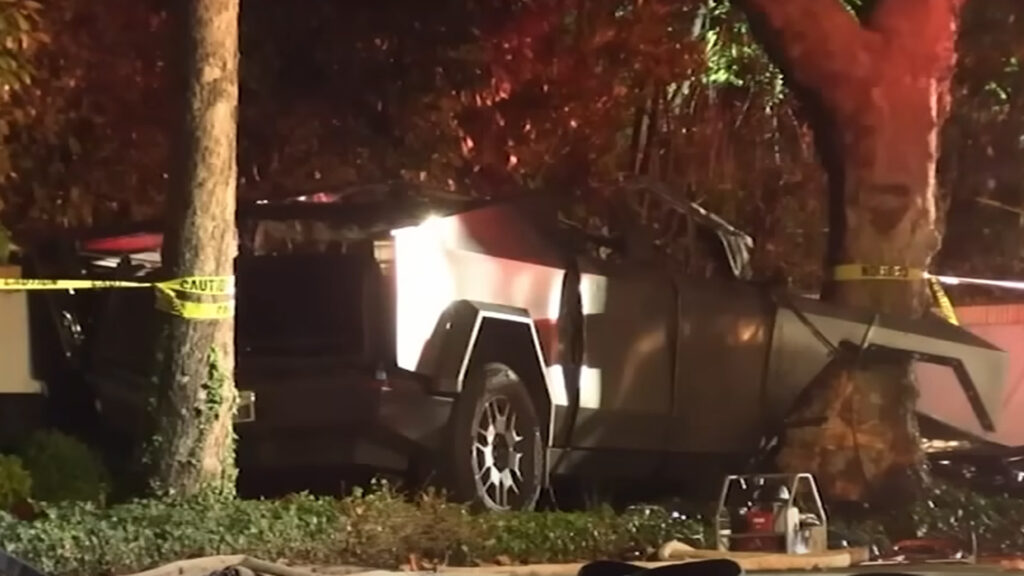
(213,285)
(850,272)
(168,301)
(847,272)
(169,293)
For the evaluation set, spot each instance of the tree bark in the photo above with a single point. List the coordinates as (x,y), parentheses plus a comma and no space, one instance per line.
(875,91)
(192,448)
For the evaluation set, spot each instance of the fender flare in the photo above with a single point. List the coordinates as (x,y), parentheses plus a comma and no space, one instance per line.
(447,353)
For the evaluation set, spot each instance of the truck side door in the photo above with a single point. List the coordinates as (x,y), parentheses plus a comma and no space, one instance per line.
(724,335)
(626,378)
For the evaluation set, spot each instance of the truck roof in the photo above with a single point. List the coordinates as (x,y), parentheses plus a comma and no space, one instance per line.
(353,216)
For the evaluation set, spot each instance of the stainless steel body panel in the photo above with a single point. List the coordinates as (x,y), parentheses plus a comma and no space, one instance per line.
(806,328)
(725,331)
(626,389)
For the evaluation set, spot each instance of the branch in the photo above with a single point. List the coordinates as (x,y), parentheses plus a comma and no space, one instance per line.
(818,44)
(921,35)
(923,32)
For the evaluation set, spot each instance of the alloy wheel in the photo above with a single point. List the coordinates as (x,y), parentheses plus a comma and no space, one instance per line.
(498,454)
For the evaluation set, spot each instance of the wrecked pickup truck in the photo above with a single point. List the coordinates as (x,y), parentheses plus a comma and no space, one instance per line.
(500,347)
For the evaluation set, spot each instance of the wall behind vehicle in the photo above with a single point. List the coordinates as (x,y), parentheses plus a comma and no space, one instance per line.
(22,404)
(941,395)
(15,356)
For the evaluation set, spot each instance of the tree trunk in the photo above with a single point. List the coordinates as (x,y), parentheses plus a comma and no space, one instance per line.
(192,449)
(876,93)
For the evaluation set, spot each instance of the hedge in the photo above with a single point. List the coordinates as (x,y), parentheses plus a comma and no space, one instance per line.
(376,529)
(383,529)
(997,521)
(15,481)
(63,468)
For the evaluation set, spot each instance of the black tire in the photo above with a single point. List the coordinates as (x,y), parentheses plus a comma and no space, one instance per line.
(494,398)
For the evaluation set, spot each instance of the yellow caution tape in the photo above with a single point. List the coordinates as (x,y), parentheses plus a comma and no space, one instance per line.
(942,299)
(46,284)
(167,291)
(211,285)
(168,301)
(847,272)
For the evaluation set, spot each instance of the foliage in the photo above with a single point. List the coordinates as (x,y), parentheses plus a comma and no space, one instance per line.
(15,482)
(958,512)
(489,98)
(767,182)
(20,37)
(382,528)
(87,140)
(947,511)
(81,538)
(980,170)
(64,468)
(732,59)
(378,528)
(585,536)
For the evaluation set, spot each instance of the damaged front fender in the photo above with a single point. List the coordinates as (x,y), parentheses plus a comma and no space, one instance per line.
(812,330)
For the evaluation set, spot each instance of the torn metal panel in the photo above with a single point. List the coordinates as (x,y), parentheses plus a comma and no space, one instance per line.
(981,367)
(941,398)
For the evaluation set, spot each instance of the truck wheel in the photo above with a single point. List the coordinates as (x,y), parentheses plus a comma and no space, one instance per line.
(496,453)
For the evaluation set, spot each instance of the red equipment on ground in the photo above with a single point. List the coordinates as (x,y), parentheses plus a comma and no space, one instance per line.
(771,512)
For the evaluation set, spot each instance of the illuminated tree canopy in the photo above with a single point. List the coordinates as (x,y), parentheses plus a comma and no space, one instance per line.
(490,99)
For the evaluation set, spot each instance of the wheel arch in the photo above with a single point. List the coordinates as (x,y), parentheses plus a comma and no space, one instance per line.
(512,344)
(471,331)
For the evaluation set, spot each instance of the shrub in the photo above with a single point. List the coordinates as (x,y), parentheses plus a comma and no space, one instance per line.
(15,482)
(580,536)
(379,528)
(385,529)
(945,511)
(996,520)
(82,538)
(64,469)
